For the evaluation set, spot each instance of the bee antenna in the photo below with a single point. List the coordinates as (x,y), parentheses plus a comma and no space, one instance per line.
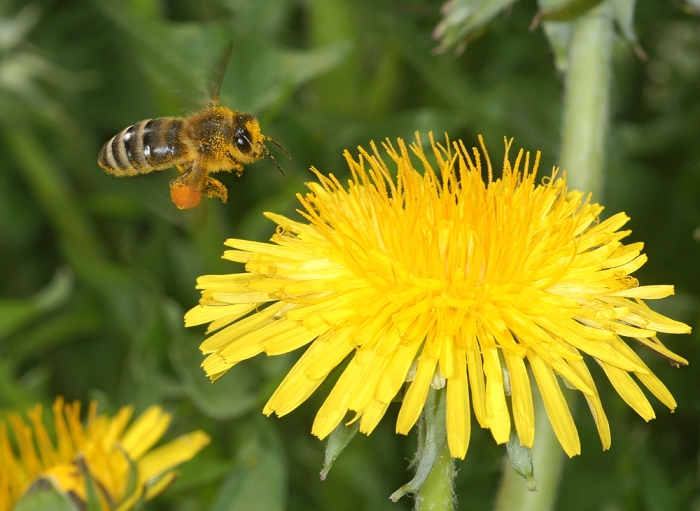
(267,152)
(278,145)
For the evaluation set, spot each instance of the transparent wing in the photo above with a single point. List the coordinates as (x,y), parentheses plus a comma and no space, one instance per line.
(218,78)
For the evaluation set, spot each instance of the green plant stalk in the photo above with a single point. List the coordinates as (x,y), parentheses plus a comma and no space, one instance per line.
(436,494)
(585,120)
(586,101)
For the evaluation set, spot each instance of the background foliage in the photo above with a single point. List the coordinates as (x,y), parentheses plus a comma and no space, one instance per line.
(96,271)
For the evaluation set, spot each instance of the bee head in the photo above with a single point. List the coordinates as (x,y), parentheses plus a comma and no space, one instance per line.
(249,142)
(247,139)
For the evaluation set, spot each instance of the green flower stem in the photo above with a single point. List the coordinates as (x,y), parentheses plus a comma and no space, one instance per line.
(547,458)
(586,101)
(586,115)
(436,494)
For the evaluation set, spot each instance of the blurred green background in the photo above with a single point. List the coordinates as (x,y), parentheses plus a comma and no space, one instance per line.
(96,272)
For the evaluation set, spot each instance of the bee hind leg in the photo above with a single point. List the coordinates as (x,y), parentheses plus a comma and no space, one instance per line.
(183,192)
(184,174)
(215,188)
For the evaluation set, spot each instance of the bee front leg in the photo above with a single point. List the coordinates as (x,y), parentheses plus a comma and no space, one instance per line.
(236,166)
(215,188)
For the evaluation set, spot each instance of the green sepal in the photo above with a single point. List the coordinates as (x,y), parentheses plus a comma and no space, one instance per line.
(463,19)
(42,495)
(432,435)
(92,493)
(337,441)
(520,458)
(559,36)
(567,12)
(133,479)
(624,18)
(558,33)
(693,7)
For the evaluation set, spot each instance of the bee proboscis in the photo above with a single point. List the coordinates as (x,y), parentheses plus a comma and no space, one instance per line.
(215,139)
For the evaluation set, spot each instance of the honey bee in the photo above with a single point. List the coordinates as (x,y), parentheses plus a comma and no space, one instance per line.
(215,139)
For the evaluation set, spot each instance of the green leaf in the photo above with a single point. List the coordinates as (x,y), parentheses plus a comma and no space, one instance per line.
(294,67)
(16,313)
(262,17)
(42,495)
(200,470)
(175,56)
(52,190)
(70,324)
(127,298)
(338,440)
(26,70)
(232,396)
(257,484)
(20,394)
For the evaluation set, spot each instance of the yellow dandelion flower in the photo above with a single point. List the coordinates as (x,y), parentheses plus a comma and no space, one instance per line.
(108,449)
(442,278)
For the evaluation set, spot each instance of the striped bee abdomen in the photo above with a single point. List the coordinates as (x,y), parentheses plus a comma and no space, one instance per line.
(152,144)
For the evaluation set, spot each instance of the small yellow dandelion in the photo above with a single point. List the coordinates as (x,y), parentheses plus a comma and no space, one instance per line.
(446,279)
(108,449)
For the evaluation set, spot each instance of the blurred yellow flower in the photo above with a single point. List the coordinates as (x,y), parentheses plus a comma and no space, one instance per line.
(106,447)
(442,278)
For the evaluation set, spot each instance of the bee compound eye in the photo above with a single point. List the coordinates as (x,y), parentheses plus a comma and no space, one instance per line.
(242,139)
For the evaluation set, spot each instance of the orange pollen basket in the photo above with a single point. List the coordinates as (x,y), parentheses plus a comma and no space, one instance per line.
(185,196)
